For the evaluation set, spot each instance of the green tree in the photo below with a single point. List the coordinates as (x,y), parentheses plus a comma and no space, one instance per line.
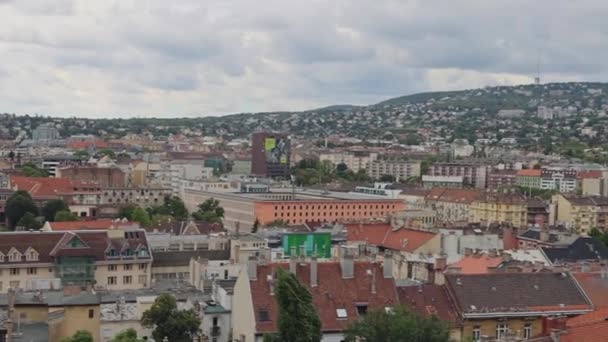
(397,325)
(168,321)
(65,215)
(141,216)
(52,207)
(172,206)
(29,221)
(341,167)
(106,152)
(209,211)
(17,205)
(79,336)
(129,335)
(31,170)
(412,139)
(298,320)
(127,211)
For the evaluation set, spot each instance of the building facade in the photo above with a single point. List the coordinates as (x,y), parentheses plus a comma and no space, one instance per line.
(581,213)
(501,178)
(507,208)
(270,155)
(474,175)
(529,178)
(103,176)
(557,179)
(143,197)
(354,160)
(401,170)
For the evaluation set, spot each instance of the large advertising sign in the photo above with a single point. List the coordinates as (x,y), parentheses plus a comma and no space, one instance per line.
(276,150)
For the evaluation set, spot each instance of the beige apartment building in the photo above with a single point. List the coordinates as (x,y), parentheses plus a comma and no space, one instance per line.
(112,259)
(582,213)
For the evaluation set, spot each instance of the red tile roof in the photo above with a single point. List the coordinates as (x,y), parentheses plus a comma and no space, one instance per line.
(428,300)
(90,225)
(590,174)
(591,327)
(595,286)
(453,195)
(44,187)
(407,240)
(528,173)
(476,264)
(332,293)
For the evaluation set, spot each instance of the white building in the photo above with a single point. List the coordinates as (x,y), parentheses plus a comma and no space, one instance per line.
(398,169)
(355,160)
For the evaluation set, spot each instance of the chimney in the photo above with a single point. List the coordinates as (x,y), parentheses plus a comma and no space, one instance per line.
(387,266)
(544,236)
(346,264)
(237,252)
(554,326)
(293,259)
(302,253)
(252,268)
(441,263)
(314,272)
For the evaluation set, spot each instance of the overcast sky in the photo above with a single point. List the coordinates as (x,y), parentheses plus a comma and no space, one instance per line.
(204,57)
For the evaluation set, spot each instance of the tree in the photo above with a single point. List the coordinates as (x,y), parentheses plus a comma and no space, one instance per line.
(31,170)
(106,152)
(172,206)
(298,320)
(127,211)
(168,321)
(28,221)
(256,226)
(79,336)
(52,207)
(17,205)
(341,167)
(398,324)
(140,216)
(387,178)
(209,211)
(129,335)
(65,215)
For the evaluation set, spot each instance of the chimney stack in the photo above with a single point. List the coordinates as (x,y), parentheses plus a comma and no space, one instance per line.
(293,259)
(387,266)
(252,268)
(346,264)
(441,263)
(314,272)
(302,253)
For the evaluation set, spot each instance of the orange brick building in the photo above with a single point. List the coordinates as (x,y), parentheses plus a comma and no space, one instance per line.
(243,209)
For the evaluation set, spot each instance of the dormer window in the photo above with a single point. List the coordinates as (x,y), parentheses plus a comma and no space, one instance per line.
(31,254)
(143,253)
(128,252)
(14,256)
(112,253)
(1,257)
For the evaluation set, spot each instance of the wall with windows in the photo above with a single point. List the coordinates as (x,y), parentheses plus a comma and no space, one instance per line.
(123,275)
(475,329)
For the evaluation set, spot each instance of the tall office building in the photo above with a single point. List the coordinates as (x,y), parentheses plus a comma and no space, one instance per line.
(270,155)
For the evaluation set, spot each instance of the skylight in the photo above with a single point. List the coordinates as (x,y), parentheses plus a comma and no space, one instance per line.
(341,313)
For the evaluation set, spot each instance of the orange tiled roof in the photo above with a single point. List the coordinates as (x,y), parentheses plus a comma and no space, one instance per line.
(44,187)
(476,263)
(591,327)
(529,173)
(88,225)
(403,239)
(595,286)
(590,174)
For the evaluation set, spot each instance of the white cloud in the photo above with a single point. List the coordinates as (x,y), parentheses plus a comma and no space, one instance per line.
(188,57)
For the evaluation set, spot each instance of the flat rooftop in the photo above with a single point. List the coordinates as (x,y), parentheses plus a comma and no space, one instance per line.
(301,194)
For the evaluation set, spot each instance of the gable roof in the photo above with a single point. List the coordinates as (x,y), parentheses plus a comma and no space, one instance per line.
(428,300)
(332,293)
(46,187)
(466,196)
(383,235)
(596,286)
(583,248)
(476,263)
(514,294)
(591,327)
(51,245)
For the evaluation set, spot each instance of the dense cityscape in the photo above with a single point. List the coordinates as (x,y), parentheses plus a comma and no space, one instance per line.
(477,215)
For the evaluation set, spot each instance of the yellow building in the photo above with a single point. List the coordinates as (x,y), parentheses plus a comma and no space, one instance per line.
(582,213)
(111,259)
(513,305)
(492,207)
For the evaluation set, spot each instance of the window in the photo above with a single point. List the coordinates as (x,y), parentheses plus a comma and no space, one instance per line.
(528,330)
(14,257)
(14,271)
(142,279)
(31,270)
(111,252)
(112,267)
(127,267)
(143,267)
(263,315)
(127,279)
(341,313)
(501,330)
(215,321)
(361,309)
(91,313)
(111,280)
(476,333)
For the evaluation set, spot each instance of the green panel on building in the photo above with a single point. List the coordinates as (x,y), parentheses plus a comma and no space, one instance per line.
(319,242)
(76,270)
